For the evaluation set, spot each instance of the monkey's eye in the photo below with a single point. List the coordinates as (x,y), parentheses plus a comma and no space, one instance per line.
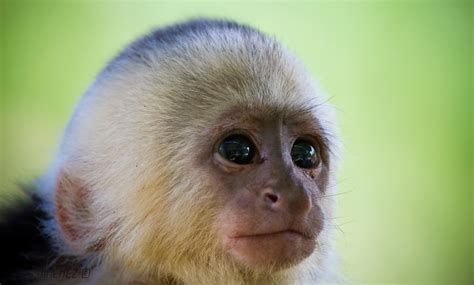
(237,149)
(304,154)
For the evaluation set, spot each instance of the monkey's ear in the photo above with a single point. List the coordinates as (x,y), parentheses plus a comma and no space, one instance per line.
(72,209)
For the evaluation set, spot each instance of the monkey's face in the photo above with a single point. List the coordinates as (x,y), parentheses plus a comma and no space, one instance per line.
(271,171)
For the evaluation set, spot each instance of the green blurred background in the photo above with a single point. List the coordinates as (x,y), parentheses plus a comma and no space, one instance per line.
(400,74)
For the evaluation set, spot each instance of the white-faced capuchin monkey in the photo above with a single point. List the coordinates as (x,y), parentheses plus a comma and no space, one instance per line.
(204,153)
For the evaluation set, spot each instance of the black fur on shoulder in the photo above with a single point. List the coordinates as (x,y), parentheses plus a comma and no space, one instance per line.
(23,248)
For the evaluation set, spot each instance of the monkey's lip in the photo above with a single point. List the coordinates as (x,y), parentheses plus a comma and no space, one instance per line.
(275,247)
(291,233)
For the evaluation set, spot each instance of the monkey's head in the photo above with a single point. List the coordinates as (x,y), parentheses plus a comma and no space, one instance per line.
(204,147)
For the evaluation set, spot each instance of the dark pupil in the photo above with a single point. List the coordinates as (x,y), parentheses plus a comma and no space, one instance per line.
(238,149)
(304,154)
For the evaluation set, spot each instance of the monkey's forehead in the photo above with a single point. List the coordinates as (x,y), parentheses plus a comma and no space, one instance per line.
(197,71)
(209,63)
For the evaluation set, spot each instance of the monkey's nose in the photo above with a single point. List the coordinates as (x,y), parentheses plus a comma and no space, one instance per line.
(272,198)
(295,202)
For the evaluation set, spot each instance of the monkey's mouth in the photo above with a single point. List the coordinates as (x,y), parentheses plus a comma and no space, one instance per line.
(277,249)
(292,234)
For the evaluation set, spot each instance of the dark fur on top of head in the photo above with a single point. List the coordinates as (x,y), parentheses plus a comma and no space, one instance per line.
(177,34)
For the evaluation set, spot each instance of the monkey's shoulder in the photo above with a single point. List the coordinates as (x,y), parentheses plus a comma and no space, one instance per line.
(23,246)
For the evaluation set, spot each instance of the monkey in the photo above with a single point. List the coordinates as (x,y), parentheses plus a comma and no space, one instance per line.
(203,153)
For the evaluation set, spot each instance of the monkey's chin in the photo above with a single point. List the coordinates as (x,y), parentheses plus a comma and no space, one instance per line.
(275,251)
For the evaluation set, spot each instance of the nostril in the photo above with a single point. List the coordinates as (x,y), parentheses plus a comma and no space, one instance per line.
(272,197)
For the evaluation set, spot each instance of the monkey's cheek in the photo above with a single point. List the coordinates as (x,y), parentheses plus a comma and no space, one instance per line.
(279,251)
